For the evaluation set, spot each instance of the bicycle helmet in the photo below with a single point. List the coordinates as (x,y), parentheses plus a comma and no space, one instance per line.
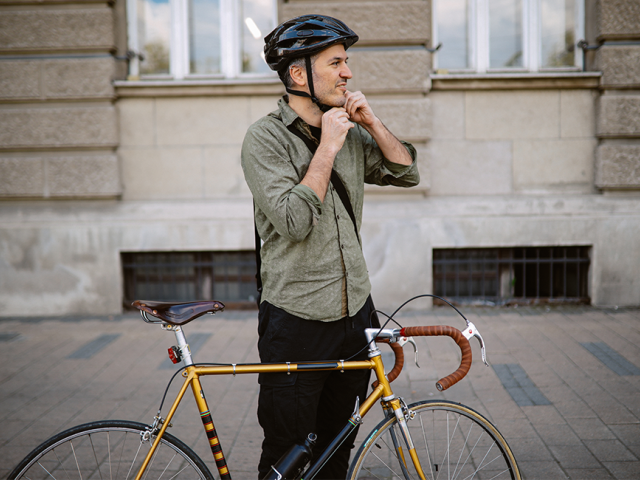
(305,36)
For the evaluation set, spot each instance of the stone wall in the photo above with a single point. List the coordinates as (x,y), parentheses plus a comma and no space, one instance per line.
(618,154)
(390,64)
(58,125)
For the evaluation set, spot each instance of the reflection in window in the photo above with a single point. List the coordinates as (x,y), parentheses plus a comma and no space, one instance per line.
(557,19)
(505,33)
(499,35)
(204,36)
(257,17)
(183,38)
(453,28)
(154,33)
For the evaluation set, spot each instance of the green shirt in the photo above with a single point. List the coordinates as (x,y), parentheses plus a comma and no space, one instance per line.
(310,247)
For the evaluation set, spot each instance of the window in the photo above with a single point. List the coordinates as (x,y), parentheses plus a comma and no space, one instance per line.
(229,277)
(508,35)
(497,276)
(199,38)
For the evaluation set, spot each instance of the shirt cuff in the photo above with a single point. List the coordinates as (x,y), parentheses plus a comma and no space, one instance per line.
(397,169)
(308,195)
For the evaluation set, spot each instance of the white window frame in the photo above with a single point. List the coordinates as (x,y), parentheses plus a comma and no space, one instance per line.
(230,62)
(478,35)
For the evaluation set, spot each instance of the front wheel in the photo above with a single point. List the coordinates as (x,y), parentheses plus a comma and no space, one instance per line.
(111,449)
(451,441)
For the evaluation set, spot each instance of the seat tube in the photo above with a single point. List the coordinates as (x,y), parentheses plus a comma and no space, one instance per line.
(210,430)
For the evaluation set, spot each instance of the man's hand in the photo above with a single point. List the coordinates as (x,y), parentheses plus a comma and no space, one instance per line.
(358,109)
(335,125)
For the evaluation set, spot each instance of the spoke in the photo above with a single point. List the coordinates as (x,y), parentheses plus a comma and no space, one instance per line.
(165,468)
(95,456)
(382,462)
(48,472)
(124,441)
(462,451)
(155,455)
(471,452)
(426,444)
(76,459)
(133,462)
(186,466)
(61,464)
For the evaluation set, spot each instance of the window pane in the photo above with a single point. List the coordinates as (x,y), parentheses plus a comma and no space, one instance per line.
(505,33)
(557,32)
(257,21)
(453,22)
(154,33)
(204,36)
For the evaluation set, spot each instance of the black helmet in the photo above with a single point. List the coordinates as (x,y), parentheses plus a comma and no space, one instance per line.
(302,36)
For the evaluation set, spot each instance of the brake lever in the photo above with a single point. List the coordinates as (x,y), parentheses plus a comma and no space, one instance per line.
(402,341)
(472,331)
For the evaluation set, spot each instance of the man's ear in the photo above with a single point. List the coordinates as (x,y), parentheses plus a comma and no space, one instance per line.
(298,75)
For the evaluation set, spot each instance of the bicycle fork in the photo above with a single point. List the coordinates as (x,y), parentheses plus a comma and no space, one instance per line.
(399,412)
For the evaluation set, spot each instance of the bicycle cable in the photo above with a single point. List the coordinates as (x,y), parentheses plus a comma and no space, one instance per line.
(390,318)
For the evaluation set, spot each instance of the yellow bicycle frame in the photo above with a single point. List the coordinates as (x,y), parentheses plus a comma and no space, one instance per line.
(193,373)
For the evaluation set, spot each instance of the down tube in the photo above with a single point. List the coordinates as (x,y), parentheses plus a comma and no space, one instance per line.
(210,430)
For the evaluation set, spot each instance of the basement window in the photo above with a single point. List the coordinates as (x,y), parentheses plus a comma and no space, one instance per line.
(228,277)
(520,275)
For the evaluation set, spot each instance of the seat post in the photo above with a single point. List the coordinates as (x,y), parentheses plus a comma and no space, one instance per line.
(183,346)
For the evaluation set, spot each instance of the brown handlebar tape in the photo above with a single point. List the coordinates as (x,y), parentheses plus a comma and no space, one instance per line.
(399,361)
(458,337)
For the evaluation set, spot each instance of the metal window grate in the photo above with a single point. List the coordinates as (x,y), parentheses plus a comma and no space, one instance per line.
(512,275)
(190,276)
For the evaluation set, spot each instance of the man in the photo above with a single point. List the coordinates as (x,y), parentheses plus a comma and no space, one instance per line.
(315,301)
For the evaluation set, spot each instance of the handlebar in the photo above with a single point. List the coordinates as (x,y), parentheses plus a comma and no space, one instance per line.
(429,331)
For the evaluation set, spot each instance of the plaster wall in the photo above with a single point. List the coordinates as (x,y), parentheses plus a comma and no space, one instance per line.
(65,260)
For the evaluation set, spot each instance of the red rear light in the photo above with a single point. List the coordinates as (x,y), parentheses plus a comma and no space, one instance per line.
(174,354)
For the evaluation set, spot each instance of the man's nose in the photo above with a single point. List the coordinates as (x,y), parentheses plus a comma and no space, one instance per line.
(346,71)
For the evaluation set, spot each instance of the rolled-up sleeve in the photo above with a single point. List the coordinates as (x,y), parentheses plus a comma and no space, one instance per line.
(381,171)
(293,209)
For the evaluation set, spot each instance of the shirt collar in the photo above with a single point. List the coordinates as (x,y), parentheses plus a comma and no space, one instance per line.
(287,114)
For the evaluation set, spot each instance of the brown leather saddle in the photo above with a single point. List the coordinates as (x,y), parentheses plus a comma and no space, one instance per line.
(178,313)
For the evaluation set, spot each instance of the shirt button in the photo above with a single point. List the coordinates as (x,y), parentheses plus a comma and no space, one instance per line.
(338,217)
(342,246)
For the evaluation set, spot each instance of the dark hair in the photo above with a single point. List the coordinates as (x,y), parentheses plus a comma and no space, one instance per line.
(284,74)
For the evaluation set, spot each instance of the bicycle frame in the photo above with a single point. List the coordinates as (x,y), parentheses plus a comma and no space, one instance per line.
(381,391)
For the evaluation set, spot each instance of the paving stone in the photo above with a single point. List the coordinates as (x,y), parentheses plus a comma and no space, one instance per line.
(591,429)
(624,470)
(610,451)
(590,417)
(588,473)
(557,435)
(574,456)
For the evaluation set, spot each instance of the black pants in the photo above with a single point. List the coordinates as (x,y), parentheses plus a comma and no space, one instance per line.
(292,406)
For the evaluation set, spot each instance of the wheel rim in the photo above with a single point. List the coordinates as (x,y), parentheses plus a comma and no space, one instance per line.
(452,442)
(110,453)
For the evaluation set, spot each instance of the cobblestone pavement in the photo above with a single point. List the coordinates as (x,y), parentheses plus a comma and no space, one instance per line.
(564,386)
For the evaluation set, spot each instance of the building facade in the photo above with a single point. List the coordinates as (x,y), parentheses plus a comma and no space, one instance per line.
(121,125)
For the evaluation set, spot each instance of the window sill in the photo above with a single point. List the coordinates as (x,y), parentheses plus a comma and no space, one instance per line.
(199,87)
(515,81)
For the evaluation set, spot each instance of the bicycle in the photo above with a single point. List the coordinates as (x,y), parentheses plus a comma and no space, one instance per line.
(425,440)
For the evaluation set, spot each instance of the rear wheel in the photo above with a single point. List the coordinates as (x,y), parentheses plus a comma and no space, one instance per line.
(451,441)
(111,449)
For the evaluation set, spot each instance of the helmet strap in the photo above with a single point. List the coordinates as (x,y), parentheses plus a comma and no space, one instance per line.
(312,93)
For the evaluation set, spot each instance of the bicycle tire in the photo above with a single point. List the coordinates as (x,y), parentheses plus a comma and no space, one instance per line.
(110,449)
(451,440)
